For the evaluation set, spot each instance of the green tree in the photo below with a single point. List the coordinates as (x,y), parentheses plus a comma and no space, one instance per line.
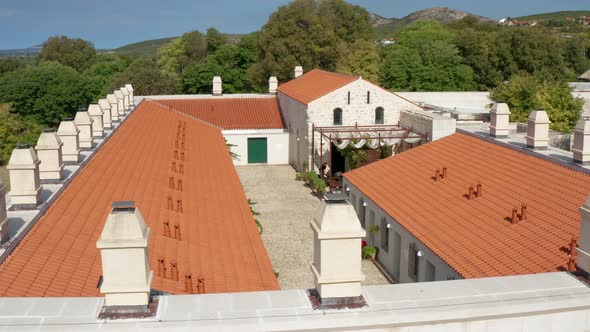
(525,93)
(46,93)
(231,62)
(76,53)
(313,34)
(181,52)
(147,79)
(15,129)
(10,64)
(215,40)
(99,75)
(425,59)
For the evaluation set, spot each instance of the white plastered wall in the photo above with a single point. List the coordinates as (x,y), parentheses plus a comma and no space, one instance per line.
(277,144)
(295,116)
(388,258)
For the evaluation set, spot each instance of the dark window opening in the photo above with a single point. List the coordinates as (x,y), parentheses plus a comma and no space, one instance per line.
(384,230)
(348,98)
(338,117)
(413,262)
(368,97)
(379,115)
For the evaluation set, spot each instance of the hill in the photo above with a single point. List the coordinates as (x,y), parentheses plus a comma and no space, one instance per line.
(385,27)
(555,15)
(145,49)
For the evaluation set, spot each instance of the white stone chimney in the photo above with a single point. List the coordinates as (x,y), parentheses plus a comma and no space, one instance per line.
(120,102)
(499,120)
(298,71)
(107,117)
(84,122)
(126,99)
(3,216)
(123,246)
(49,153)
(25,185)
(115,112)
(131,97)
(217,86)
(69,134)
(96,114)
(537,130)
(337,251)
(581,147)
(273,84)
(583,249)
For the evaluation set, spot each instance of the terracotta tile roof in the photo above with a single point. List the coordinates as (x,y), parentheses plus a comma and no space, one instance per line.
(315,84)
(475,237)
(219,238)
(231,113)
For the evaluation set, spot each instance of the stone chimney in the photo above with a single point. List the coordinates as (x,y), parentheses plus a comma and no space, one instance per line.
(131,97)
(49,153)
(107,117)
(3,217)
(583,249)
(298,71)
(499,119)
(25,185)
(123,246)
(273,84)
(69,134)
(115,112)
(537,130)
(126,99)
(337,252)
(84,123)
(581,147)
(96,115)
(120,102)
(217,86)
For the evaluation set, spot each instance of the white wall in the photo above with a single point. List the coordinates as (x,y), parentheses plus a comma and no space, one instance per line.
(433,125)
(295,117)
(321,111)
(387,258)
(277,140)
(470,99)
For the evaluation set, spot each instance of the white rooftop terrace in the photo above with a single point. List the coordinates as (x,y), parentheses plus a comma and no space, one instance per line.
(541,302)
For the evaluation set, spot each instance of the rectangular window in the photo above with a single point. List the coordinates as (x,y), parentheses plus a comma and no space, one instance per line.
(384,231)
(368,97)
(379,115)
(430,272)
(413,262)
(361,212)
(348,98)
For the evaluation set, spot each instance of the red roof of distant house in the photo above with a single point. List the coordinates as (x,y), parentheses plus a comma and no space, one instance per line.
(315,84)
(476,237)
(219,238)
(231,113)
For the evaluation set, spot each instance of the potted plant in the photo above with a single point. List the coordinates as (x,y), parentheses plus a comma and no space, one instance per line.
(369,252)
(374,229)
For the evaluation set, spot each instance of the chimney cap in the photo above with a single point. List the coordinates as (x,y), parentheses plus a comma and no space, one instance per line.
(539,116)
(216,79)
(273,79)
(95,109)
(501,108)
(48,130)
(583,125)
(22,145)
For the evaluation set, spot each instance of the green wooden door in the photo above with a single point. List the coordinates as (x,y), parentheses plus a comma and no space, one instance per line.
(257,150)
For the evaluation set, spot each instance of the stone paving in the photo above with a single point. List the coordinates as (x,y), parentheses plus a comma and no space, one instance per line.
(286,207)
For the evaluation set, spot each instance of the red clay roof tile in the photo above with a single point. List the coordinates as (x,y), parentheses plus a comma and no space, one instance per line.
(315,84)
(231,113)
(219,238)
(475,237)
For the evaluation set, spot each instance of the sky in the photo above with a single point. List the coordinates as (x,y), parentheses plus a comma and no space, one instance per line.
(114,23)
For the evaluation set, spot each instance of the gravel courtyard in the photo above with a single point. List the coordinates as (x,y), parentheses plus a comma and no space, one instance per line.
(286,207)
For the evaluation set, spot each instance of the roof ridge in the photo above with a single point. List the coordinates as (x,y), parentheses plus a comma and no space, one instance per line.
(184,114)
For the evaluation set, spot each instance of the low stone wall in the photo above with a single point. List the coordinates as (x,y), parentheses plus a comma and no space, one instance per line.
(422,122)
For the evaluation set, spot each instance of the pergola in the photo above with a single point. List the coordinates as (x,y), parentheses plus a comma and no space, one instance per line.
(372,136)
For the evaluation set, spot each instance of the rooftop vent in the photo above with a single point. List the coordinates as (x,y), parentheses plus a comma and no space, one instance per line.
(298,71)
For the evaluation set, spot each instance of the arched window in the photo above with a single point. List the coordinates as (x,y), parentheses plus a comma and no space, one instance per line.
(338,117)
(379,115)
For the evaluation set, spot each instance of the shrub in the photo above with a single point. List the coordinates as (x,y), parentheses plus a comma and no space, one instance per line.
(369,251)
